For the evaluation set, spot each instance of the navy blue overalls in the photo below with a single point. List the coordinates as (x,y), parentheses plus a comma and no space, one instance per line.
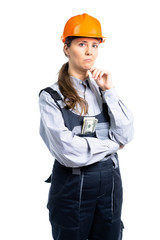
(85,203)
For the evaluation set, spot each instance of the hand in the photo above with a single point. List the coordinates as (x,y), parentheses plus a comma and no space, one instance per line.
(102,78)
(121,147)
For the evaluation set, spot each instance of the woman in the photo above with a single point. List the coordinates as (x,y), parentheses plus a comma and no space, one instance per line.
(84,124)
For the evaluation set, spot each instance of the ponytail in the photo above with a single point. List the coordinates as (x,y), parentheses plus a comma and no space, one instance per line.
(71,97)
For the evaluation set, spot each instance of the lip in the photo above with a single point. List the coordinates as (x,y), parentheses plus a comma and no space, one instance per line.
(88,60)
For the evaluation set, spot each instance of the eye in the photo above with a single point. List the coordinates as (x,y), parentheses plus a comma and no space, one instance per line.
(95,45)
(82,44)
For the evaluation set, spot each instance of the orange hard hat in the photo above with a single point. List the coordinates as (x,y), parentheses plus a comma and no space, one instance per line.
(83,25)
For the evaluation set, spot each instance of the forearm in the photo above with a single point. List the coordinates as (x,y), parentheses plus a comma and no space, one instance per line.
(74,151)
(121,119)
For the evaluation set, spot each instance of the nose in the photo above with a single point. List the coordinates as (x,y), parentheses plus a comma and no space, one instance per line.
(89,50)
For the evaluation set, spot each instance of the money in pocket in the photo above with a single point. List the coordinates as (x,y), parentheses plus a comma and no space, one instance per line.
(89,125)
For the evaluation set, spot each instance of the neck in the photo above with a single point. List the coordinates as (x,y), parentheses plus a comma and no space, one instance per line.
(82,75)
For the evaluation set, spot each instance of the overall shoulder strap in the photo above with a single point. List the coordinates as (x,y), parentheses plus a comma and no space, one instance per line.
(54,94)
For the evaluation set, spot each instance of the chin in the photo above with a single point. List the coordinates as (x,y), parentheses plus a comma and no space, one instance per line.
(88,66)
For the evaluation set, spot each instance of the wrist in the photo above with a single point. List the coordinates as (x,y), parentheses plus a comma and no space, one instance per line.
(104,89)
(107,88)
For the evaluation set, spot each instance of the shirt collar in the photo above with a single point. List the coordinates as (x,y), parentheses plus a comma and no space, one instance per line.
(77,82)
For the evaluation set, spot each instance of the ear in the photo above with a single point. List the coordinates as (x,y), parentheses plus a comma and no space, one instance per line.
(66,50)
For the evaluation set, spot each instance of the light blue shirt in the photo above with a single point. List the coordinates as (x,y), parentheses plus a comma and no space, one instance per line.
(74,151)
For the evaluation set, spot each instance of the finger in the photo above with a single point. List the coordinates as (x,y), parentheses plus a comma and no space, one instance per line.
(93,72)
(96,74)
(121,146)
(102,73)
(92,69)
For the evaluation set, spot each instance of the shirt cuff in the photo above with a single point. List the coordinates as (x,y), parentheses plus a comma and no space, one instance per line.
(110,95)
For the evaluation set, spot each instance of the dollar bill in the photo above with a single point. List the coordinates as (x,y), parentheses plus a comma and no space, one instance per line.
(89,125)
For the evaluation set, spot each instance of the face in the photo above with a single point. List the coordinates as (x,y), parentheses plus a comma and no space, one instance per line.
(82,53)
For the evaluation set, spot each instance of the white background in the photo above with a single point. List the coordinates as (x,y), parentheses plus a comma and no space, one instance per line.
(30,58)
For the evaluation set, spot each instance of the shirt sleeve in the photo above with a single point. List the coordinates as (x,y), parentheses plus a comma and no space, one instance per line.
(121,119)
(70,150)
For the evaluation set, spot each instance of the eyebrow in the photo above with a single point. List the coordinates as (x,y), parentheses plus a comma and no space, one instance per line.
(87,41)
